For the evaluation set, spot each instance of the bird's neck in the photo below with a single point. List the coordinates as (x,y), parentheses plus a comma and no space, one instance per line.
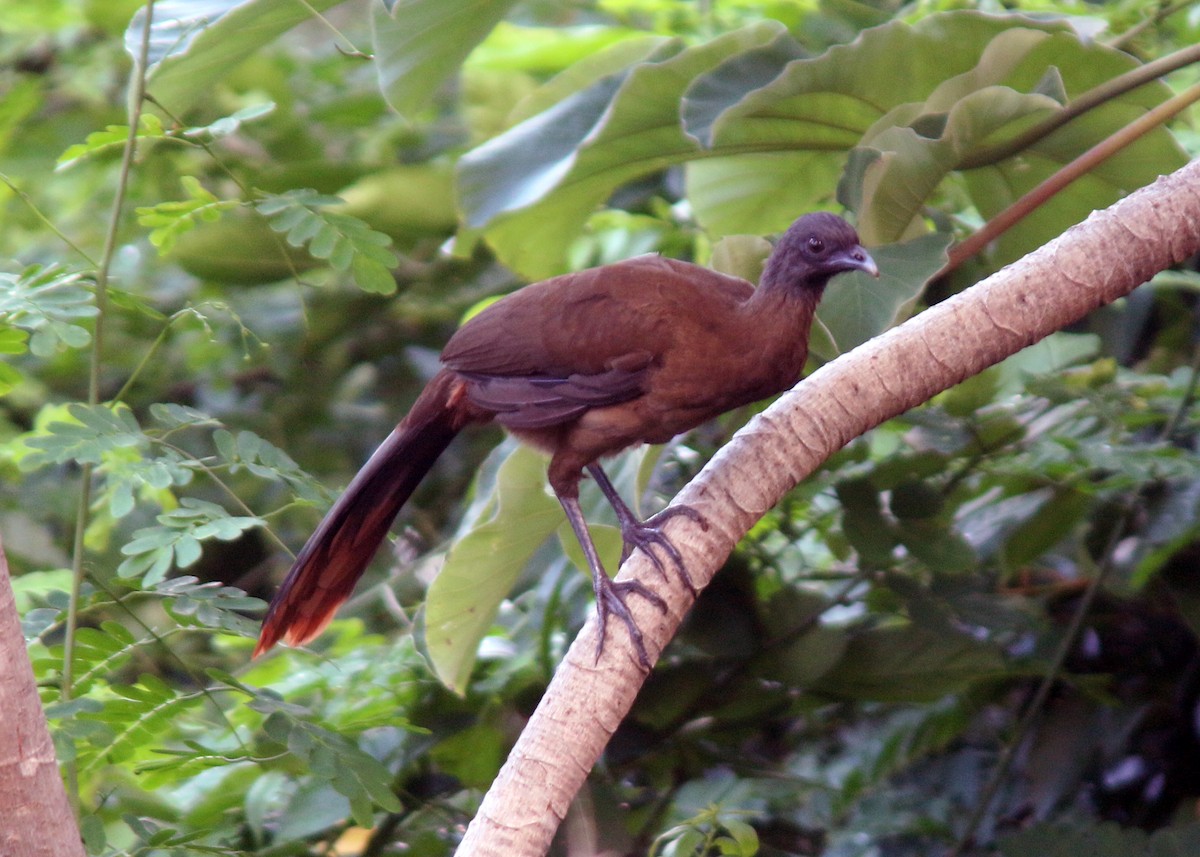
(786,307)
(775,326)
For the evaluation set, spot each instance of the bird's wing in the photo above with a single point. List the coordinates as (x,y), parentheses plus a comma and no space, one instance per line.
(620,316)
(536,401)
(551,351)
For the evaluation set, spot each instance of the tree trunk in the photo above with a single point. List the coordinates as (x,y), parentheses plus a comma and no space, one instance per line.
(1090,265)
(35,819)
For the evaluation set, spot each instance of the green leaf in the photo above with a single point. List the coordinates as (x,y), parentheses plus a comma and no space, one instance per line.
(99,653)
(240,249)
(1053,518)
(857,307)
(195,43)
(47,302)
(169,220)
(569,158)
(134,718)
(96,430)
(12,341)
(713,92)
(864,524)
(209,605)
(1083,65)
(761,155)
(1050,355)
(112,138)
(176,540)
(346,242)
(353,773)
(267,461)
(473,755)
(937,545)
(409,202)
(908,663)
(231,124)
(484,562)
(419,44)
(740,192)
(905,165)
(744,838)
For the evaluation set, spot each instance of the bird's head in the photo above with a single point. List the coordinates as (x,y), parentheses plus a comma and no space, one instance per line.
(814,249)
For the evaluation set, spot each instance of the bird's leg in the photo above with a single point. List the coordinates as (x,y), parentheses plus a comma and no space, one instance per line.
(610,594)
(645,534)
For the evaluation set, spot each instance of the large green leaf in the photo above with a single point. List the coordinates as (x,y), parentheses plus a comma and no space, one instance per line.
(615,59)
(857,307)
(421,43)
(910,165)
(483,564)
(831,101)
(764,134)
(741,193)
(712,93)
(569,158)
(1024,75)
(194,43)
(993,188)
(908,663)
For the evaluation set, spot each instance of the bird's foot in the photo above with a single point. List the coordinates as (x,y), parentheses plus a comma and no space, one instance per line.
(610,598)
(645,534)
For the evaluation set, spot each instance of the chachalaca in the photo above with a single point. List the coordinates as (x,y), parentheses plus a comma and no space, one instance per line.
(583,366)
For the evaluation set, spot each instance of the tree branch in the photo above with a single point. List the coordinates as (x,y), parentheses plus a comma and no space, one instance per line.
(1090,265)
(37,819)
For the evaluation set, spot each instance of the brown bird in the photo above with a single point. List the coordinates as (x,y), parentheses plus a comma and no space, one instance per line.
(583,366)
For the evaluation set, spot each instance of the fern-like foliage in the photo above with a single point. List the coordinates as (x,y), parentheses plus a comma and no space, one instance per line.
(49,303)
(132,719)
(245,449)
(169,220)
(111,139)
(151,128)
(176,540)
(196,604)
(347,243)
(331,757)
(84,435)
(111,439)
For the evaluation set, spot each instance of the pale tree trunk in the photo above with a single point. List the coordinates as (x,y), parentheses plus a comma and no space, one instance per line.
(35,819)
(1092,264)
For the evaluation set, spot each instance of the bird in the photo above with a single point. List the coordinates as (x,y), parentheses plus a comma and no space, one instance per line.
(583,366)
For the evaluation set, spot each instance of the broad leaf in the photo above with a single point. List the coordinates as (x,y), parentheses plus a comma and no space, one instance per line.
(195,43)
(485,562)
(419,44)
(570,158)
(908,663)
(857,307)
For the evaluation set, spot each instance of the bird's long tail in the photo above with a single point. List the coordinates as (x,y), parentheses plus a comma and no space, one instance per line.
(335,556)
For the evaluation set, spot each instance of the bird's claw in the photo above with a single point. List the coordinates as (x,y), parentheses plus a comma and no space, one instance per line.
(610,598)
(645,534)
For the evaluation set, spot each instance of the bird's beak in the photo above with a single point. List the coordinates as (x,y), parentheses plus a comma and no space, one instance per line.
(857,259)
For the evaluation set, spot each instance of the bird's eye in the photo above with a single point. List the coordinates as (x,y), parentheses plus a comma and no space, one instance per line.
(816,245)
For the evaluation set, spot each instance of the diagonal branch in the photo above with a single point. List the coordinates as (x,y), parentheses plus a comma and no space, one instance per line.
(1090,265)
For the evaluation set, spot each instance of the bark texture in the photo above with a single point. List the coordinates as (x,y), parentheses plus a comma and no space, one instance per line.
(35,819)
(1090,265)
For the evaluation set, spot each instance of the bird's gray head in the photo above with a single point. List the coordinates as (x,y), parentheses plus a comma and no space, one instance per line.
(814,249)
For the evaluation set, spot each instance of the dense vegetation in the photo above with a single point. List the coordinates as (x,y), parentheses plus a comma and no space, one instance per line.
(975,628)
